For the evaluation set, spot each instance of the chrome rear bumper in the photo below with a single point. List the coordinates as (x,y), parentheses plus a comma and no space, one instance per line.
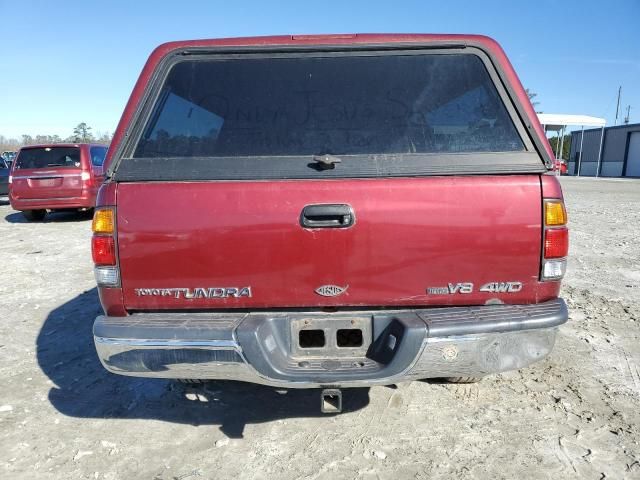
(256,347)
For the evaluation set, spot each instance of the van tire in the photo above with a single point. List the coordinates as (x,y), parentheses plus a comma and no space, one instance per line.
(34,215)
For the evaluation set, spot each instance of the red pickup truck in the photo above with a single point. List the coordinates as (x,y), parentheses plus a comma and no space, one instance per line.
(328,211)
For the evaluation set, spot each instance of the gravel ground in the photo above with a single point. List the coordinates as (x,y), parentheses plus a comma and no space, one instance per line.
(576,414)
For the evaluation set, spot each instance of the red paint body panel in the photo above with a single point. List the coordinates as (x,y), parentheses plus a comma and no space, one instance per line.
(112,303)
(551,186)
(59,187)
(107,195)
(409,234)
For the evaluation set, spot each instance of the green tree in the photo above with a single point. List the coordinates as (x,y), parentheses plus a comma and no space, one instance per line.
(82,133)
(566,145)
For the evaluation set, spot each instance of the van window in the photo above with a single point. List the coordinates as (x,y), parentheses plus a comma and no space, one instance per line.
(97,155)
(48,157)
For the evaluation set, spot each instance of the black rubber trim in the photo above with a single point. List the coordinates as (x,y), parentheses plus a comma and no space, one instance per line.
(374,166)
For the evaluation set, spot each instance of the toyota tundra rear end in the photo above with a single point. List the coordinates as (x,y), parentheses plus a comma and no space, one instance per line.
(328,211)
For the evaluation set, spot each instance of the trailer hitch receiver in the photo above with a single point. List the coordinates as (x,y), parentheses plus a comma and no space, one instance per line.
(331,400)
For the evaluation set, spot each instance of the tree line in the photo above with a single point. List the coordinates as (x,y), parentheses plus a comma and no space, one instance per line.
(566,145)
(81,133)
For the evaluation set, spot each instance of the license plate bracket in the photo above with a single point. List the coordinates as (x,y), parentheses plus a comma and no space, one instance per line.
(330,337)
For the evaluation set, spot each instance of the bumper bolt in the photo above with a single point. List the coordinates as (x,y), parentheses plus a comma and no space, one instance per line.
(450,353)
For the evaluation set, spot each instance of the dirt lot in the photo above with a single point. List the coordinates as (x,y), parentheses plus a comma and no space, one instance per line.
(575,414)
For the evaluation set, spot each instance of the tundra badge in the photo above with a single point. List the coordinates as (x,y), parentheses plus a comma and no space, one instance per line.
(192,293)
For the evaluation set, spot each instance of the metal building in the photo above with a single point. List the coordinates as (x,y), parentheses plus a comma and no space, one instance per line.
(619,152)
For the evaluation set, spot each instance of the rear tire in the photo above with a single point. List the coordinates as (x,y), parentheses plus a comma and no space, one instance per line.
(463,379)
(34,215)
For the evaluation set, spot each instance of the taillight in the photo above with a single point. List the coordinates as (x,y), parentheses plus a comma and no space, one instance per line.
(10,179)
(556,241)
(103,222)
(84,176)
(554,213)
(103,248)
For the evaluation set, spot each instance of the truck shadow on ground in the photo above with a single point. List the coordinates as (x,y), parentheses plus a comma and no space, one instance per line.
(82,388)
(52,217)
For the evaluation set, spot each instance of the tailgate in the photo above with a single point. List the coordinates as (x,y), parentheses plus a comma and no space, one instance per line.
(47,173)
(414,241)
(47,184)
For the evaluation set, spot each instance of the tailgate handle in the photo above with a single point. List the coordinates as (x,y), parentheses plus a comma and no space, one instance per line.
(327,216)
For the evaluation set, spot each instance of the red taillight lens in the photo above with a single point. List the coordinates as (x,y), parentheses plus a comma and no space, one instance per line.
(103,250)
(556,243)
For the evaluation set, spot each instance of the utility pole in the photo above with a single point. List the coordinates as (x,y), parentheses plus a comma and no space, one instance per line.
(615,122)
(626,119)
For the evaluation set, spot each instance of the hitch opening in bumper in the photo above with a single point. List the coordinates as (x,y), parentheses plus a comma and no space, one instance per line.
(331,400)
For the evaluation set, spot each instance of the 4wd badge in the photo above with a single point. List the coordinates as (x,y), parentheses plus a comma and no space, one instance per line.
(467,287)
(331,290)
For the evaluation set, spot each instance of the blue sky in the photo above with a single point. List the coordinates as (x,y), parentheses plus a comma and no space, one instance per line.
(67,62)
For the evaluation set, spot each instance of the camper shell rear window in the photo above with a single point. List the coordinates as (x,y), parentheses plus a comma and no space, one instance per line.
(378,114)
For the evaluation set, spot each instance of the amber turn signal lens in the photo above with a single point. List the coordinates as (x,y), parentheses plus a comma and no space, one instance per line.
(103,221)
(554,213)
